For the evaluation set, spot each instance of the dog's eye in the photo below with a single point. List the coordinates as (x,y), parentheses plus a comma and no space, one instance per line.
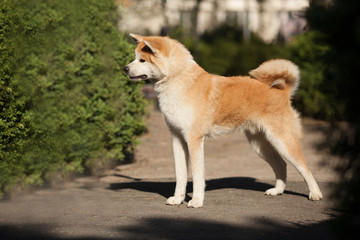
(142,60)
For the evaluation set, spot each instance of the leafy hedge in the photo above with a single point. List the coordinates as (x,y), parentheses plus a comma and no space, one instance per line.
(65,105)
(223,51)
(312,99)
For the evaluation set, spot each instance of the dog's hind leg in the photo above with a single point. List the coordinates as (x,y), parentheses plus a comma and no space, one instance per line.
(287,144)
(266,151)
(181,155)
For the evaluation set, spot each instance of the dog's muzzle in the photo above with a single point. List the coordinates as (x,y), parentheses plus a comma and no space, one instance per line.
(134,78)
(126,70)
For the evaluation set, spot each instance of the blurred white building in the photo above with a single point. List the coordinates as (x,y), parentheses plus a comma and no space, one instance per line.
(268,18)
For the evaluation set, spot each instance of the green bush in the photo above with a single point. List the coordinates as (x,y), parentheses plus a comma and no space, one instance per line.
(312,99)
(223,51)
(65,104)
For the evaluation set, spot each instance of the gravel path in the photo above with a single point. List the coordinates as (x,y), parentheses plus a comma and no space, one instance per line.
(128,202)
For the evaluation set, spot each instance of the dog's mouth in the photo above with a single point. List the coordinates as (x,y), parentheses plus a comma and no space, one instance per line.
(138,78)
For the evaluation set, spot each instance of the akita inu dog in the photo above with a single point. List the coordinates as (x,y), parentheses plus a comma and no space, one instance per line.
(197,104)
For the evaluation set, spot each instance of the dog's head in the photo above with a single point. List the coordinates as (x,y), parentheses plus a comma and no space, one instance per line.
(156,58)
(149,60)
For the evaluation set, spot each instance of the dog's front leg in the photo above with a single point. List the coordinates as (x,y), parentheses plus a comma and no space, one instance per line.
(196,150)
(180,157)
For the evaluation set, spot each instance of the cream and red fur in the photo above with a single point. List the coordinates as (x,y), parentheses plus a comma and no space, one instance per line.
(197,104)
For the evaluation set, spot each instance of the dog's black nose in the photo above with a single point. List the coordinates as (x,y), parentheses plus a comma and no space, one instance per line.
(126,69)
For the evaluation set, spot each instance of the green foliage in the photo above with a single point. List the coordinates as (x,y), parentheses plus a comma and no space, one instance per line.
(340,28)
(311,99)
(65,104)
(224,52)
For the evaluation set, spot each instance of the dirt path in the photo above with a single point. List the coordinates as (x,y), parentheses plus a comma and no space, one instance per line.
(128,202)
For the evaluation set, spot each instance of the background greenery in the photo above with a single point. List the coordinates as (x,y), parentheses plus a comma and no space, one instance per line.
(65,105)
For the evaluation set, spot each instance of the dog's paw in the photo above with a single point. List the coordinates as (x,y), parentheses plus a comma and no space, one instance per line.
(175,200)
(195,203)
(274,191)
(315,196)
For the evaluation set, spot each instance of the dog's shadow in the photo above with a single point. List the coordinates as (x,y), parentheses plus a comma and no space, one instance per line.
(166,189)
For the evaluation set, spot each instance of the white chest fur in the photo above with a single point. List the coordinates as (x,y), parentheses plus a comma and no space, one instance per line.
(172,101)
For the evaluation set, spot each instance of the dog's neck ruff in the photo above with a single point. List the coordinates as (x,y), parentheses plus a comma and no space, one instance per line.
(187,70)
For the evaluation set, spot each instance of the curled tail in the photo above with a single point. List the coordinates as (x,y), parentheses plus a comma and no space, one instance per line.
(278,73)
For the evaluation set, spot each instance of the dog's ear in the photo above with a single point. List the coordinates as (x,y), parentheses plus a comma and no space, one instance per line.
(151,47)
(136,38)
